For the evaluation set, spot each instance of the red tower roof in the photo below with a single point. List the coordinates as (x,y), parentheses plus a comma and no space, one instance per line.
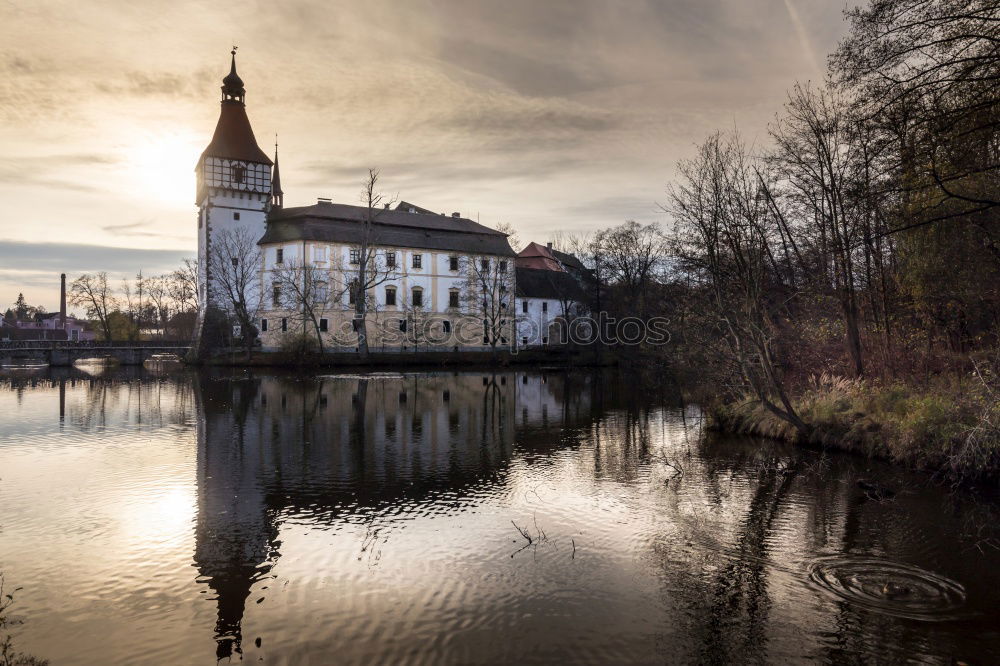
(233,138)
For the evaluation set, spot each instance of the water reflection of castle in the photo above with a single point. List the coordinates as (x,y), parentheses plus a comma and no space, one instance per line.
(274,447)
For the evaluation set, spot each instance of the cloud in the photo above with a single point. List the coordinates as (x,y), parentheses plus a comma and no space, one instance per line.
(18,256)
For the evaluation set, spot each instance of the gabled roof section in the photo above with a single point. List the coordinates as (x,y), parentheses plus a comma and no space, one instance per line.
(538,257)
(233,138)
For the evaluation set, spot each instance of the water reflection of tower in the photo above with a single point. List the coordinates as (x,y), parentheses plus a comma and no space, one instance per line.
(270,447)
(236,531)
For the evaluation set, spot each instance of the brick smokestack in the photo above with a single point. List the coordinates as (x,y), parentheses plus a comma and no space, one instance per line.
(62,302)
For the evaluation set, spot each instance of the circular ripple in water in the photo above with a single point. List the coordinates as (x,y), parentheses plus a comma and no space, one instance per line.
(890,587)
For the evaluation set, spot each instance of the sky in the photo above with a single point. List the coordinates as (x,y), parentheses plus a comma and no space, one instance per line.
(555,116)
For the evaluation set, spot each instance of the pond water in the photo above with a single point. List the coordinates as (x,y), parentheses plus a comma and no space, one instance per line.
(463,517)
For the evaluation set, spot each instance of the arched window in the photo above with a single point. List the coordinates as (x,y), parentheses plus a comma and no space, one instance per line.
(417,297)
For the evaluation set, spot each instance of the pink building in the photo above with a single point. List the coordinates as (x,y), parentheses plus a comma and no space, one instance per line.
(53,326)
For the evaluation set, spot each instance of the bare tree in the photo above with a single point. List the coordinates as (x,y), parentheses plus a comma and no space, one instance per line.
(305,287)
(372,268)
(630,256)
(726,235)
(512,237)
(157,289)
(234,269)
(487,294)
(183,286)
(92,292)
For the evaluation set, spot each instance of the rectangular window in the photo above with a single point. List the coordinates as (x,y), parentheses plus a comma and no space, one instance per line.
(447,326)
(418,298)
(545,340)
(484,265)
(545,306)
(418,261)
(390,259)
(453,263)
(402,325)
(236,262)
(284,324)
(355,255)
(236,216)
(280,258)
(323,325)
(390,295)
(453,299)
(276,295)
(319,254)
(503,266)
(524,341)
(263,326)
(524,307)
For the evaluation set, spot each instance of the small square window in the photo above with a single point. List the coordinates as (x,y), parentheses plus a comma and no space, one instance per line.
(418,261)
(236,261)
(236,216)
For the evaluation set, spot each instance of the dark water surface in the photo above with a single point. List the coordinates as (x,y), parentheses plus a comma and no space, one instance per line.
(187,518)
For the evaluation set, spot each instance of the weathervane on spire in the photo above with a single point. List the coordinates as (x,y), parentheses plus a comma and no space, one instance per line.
(232,85)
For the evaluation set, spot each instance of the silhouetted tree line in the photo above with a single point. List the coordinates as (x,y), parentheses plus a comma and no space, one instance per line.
(860,239)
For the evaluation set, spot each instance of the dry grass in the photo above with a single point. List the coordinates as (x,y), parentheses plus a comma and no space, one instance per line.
(948,427)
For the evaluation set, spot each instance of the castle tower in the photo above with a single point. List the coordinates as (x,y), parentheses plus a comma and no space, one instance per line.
(234,182)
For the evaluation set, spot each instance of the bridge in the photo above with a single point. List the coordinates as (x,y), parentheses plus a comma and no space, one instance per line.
(64,352)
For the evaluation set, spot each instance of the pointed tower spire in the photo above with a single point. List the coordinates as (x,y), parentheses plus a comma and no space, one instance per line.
(232,85)
(277,196)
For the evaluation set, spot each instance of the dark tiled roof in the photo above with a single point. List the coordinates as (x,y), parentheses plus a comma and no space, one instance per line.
(568,260)
(233,138)
(541,283)
(339,223)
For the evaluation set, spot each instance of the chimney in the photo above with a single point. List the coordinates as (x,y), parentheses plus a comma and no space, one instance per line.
(549,245)
(456,215)
(62,302)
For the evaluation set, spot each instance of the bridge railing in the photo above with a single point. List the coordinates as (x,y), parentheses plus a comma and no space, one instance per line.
(46,345)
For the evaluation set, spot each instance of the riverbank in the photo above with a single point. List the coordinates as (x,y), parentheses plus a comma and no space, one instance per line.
(410,359)
(947,427)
